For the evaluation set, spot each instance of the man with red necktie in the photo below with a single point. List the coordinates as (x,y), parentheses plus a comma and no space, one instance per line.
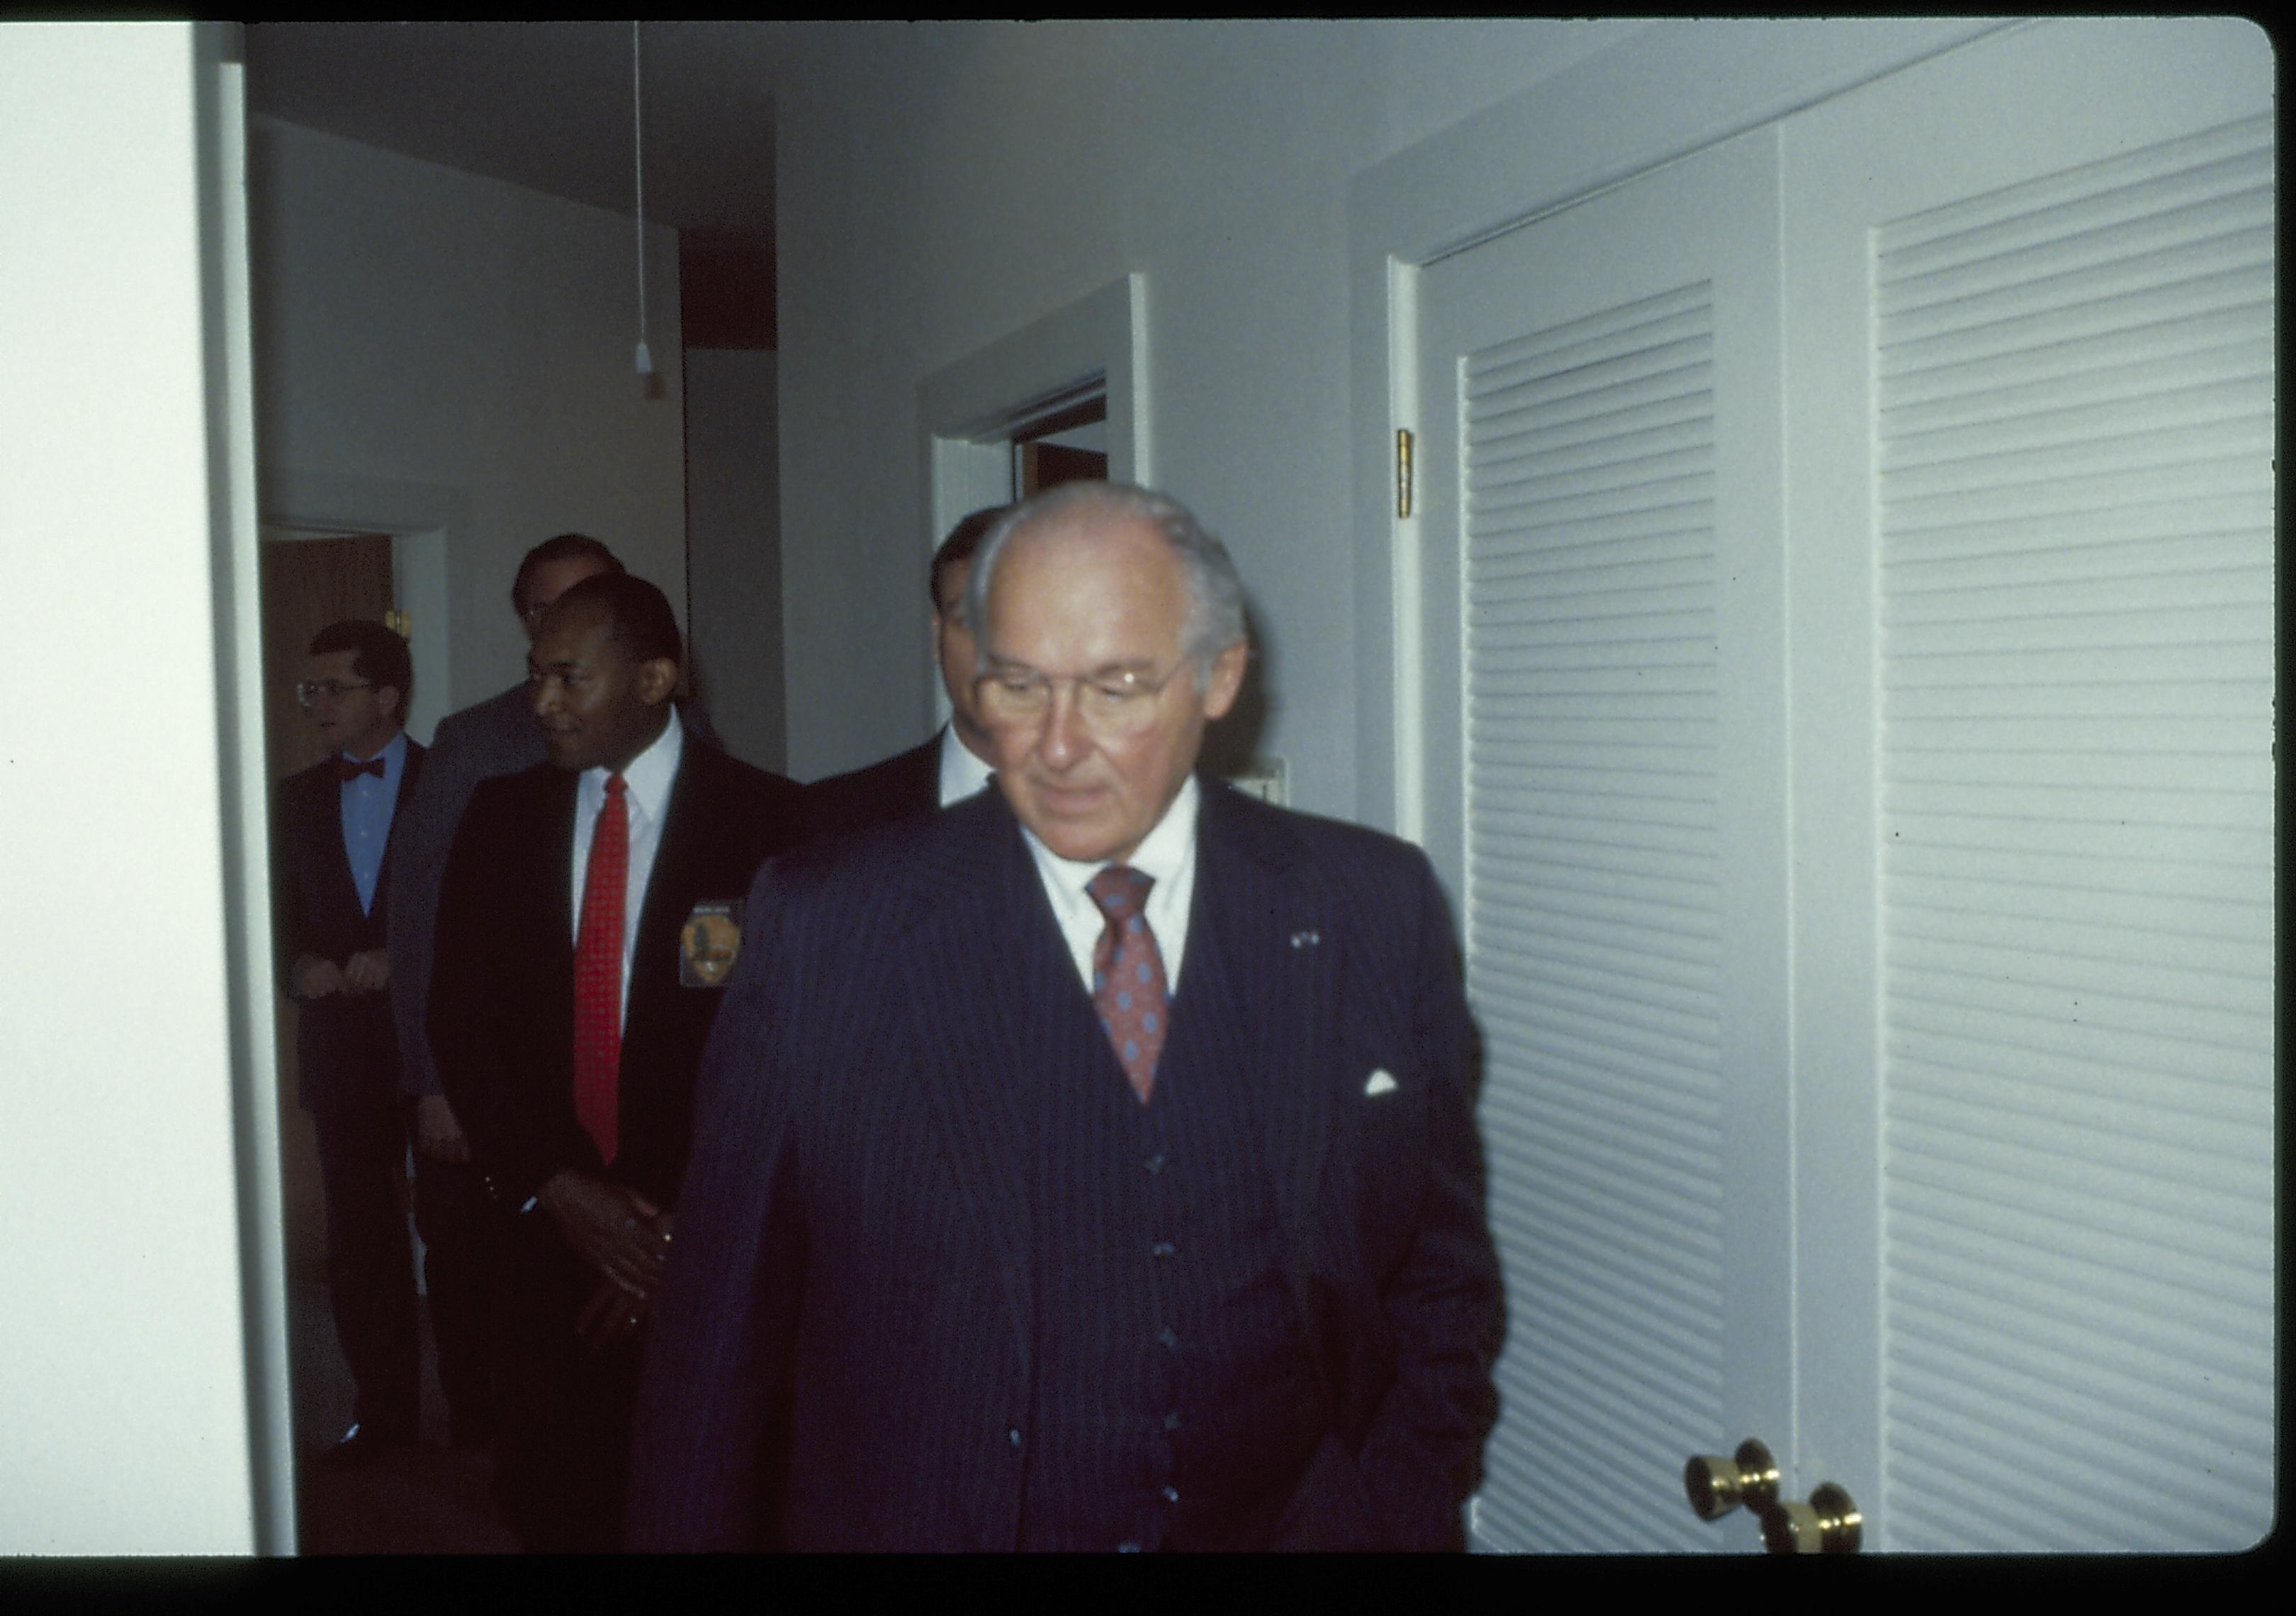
(1090,1165)
(590,910)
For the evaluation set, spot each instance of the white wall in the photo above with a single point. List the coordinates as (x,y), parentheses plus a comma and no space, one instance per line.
(428,337)
(942,185)
(733,526)
(134,1315)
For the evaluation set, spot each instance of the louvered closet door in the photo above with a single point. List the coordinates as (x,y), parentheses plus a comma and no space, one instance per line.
(2031,336)
(1848,578)
(1598,451)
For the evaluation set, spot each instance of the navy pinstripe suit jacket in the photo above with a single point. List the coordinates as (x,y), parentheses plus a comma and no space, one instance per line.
(840,1352)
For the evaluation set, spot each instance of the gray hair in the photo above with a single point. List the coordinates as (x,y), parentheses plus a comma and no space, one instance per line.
(1215,592)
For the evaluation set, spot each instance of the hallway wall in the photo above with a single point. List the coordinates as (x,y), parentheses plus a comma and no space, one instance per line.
(944,184)
(429,331)
(733,526)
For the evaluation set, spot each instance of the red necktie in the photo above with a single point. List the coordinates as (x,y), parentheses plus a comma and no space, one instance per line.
(598,970)
(1128,975)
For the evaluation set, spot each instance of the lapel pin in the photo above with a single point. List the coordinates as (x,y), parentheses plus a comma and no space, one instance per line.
(1306,939)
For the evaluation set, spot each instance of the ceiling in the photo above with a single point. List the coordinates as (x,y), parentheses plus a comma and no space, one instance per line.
(545,105)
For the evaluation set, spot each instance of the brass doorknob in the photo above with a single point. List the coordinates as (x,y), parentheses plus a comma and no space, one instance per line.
(1828,1524)
(1717,1485)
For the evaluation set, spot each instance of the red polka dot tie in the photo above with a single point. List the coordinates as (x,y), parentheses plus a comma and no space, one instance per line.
(598,970)
(1128,975)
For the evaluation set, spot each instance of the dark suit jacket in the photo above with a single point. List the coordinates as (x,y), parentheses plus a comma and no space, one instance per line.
(345,1050)
(495,736)
(892,788)
(502,994)
(849,1301)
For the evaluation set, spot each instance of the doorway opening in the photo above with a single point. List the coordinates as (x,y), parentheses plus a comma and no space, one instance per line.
(1070,444)
(314,572)
(310,579)
(1057,400)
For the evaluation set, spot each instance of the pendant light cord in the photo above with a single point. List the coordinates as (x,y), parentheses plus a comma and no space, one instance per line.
(637,145)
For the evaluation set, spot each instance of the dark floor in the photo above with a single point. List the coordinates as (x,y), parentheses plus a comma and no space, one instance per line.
(426,1498)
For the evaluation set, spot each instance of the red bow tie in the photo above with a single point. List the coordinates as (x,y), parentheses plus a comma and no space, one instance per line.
(347,771)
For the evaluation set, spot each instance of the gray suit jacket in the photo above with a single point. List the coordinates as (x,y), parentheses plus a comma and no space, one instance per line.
(841,1354)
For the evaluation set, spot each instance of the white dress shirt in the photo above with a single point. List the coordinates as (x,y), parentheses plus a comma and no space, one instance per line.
(962,773)
(1167,853)
(645,791)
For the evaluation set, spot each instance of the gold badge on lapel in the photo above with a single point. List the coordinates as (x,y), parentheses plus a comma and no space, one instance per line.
(709,944)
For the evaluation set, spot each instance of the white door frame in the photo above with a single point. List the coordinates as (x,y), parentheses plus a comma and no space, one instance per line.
(967,411)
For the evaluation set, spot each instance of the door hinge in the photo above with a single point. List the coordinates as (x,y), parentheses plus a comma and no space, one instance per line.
(1402,470)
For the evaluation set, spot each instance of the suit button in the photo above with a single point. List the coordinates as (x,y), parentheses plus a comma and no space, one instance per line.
(1171,1495)
(1162,1248)
(1172,1419)
(1166,1336)
(1156,1163)
(1014,1434)
(1127,1548)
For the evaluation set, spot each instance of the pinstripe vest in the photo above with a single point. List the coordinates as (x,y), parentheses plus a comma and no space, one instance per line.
(1173,1403)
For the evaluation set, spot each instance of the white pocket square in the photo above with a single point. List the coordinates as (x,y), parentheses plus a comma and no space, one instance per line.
(1381,1083)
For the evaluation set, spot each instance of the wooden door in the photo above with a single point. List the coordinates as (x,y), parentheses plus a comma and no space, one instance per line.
(1043,465)
(308,583)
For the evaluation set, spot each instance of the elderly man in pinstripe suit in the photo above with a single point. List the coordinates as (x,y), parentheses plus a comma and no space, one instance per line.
(1090,1165)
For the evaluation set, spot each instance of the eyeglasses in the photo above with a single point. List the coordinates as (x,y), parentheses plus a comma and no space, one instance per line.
(309,691)
(1111,704)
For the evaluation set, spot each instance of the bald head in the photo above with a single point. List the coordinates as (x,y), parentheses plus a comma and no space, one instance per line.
(1215,613)
(1093,689)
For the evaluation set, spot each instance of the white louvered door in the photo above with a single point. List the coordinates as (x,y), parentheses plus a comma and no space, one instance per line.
(1610,383)
(2047,420)
(1850,570)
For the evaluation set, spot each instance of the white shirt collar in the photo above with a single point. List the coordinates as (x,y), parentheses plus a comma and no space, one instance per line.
(962,773)
(1167,853)
(647,781)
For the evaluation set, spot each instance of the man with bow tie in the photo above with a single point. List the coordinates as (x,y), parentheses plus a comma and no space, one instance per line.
(333,824)
(1090,1165)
